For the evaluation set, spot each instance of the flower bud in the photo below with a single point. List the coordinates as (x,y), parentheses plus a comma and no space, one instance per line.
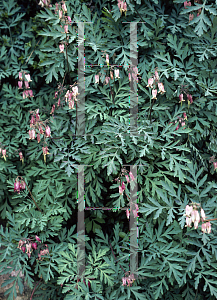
(23,249)
(37,238)
(34,246)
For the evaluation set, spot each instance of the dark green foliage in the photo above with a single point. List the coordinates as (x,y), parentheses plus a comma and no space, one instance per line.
(175,262)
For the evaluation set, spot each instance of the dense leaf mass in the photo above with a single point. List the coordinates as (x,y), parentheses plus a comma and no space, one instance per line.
(173,100)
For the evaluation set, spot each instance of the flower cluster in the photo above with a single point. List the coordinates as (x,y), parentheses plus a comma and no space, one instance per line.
(19,185)
(36,124)
(153,82)
(71,96)
(62,10)
(122,186)
(28,245)
(191,16)
(23,77)
(122,5)
(189,97)
(130,279)
(181,120)
(192,215)
(134,74)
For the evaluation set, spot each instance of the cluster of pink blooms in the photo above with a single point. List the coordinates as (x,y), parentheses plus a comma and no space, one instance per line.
(62,10)
(35,123)
(212,159)
(19,185)
(29,246)
(153,82)
(122,5)
(123,187)
(23,77)
(191,16)
(134,74)
(130,279)
(181,120)
(181,99)
(192,216)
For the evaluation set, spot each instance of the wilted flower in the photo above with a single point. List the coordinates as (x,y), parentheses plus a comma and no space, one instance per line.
(29,248)
(22,185)
(21,156)
(58,104)
(107,80)
(185,116)
(208,227)
(38,137)
(45,152)
(189,98)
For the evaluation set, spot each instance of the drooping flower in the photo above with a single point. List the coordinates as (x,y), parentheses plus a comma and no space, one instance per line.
(64,7)
(61,46)
(32,121)
(124,279)
(198,12)
(21,156)
(38,137)
(96,78)
(123,186)
(29,249)
(58,104)
(156,75)
(32,134)
(188,210)
(23,249)
(28,77)
(22,185)
(127,177)
(208,227)
(185,116)
(107,59)
(66,29)
(191,17)
(127,213)
(154,94)
(20,76)
(45,152)
(26,84)
(129,76)
(53,109)
(34,246)
(203,227)
(131,176)
(117,73)
(189,98)
(120,190)
(186,4)
(150,82)
(111,75)
(71,104)
(203,216)
(20,84)
(4,154)
(60,14)
(17,186)
(38,239)
(69,19)
(107,80)
(30,93)
(161,88)
(215,165)
(188,222)
(47,131)
(20,244)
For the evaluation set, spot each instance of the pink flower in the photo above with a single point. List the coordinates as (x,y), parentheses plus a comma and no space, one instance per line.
(181,98)
(150,83)
(123,186)
(186,3)
(96,78)
(117,73)
(31,134)
(188,210)
(71,104)
(20,76)
(69,19)
(208,227)
(127,213)
(107,59)
(120,190)
(20,244)
(23,249)
(21,155)
(61,51)
(41,130)
(191,17)
(38,239)
(20,83)
(32,121)
(22,185)
(156,75)
(203,227)
(161,88)
(196,224)
(60,14)
(26,84)
(58,104)
(183,124)
(188,222)
(107,80)
(129,76)
(215,165)
(34,246)
(124,279)
(38,137)
(131,176)
(66,29)
(4,154)
(45,152)
(127,177)
(203,216)
(185,116)
(64,7)
(189,98)
(29,248)
(154,94)
(30,93)
(56,93)
(53,109)
(28,77)
(47,131)
(195,216)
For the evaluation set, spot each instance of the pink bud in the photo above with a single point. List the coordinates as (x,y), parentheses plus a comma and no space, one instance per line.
(27,84)
(123,186)
(20,76)
(47,131)
(64,7)
(32,121)
(120,190)
(69,19)
(53,109)
(203,216)
(56,93)
(38,137)
(156,75)
(23,249)
(20,83)
(38,239)
(58,104)
(127,213)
